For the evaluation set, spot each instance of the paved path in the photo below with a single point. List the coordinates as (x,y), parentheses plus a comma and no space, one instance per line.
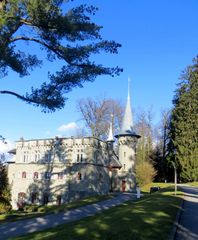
(188,223)
(40,223)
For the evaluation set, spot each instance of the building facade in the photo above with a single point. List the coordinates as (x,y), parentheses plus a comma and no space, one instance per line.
(53,171)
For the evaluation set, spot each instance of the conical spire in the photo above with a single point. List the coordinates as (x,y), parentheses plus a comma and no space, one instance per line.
(110,136)
(127,122)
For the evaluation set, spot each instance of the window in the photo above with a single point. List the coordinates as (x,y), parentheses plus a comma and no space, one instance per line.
(45,198)
(37,156)
(48,157)
(58,200)
(78,157)
(35,175)
(96,157)
(81,157)
(23,174)
(34,197)
(79,176)
(21,199)
(124,166)
(25,157)
(124,154)
(100,177)
(47,175)
(60,175)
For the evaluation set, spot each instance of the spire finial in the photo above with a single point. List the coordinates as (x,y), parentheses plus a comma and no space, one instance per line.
(129,85)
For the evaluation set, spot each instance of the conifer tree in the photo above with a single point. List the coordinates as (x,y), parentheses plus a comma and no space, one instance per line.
(184,124)
(64,35)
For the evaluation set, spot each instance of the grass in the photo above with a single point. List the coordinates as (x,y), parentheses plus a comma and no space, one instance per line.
(193,184)
(148,218)
(18,215)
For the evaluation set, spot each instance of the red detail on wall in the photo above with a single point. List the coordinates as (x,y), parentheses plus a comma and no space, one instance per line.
(123,185)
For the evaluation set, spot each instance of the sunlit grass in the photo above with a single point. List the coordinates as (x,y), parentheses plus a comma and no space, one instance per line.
(193,184)
(148,218)
(146,188)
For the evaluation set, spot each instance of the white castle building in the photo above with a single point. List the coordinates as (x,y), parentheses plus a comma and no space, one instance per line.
(53,171)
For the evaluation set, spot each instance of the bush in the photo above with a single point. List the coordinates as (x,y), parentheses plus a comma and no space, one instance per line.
(31,208)
(41,209)
(145,173)
(5,206)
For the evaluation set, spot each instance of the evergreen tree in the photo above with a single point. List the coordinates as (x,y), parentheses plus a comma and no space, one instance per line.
(184,125)
(5,195)
(67,36)
(4,186)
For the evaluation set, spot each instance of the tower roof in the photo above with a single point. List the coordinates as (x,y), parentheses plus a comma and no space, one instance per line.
(127,122)
(110,136)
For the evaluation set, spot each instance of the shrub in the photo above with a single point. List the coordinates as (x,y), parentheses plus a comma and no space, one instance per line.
(5,206)
(41,209)
(145,173)
(31,208)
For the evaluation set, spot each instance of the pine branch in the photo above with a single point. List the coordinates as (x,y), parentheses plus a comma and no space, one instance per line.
(40,42)
(19,96)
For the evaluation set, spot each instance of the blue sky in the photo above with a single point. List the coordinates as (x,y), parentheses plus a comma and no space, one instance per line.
(159,39)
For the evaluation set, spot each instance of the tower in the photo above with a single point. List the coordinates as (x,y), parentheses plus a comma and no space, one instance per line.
(127,143)
(110,139)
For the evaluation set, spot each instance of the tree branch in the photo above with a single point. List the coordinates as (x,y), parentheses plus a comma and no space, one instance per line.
(19,96)
(40,42)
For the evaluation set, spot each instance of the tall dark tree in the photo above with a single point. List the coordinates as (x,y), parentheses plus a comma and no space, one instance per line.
(184,124)
(67,36)
(5,196)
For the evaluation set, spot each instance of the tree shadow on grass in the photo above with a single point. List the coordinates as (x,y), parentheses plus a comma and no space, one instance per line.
(149,218)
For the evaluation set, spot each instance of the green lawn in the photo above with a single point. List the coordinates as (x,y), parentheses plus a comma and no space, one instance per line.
(43,210)
(148,218)
(194,184)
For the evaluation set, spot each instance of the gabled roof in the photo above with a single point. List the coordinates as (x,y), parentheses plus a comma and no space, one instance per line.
(114,162)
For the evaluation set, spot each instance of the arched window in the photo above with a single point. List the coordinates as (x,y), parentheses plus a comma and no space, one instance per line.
(79,176)
(23,174)
(21,200)
(21,195)
(35,175)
